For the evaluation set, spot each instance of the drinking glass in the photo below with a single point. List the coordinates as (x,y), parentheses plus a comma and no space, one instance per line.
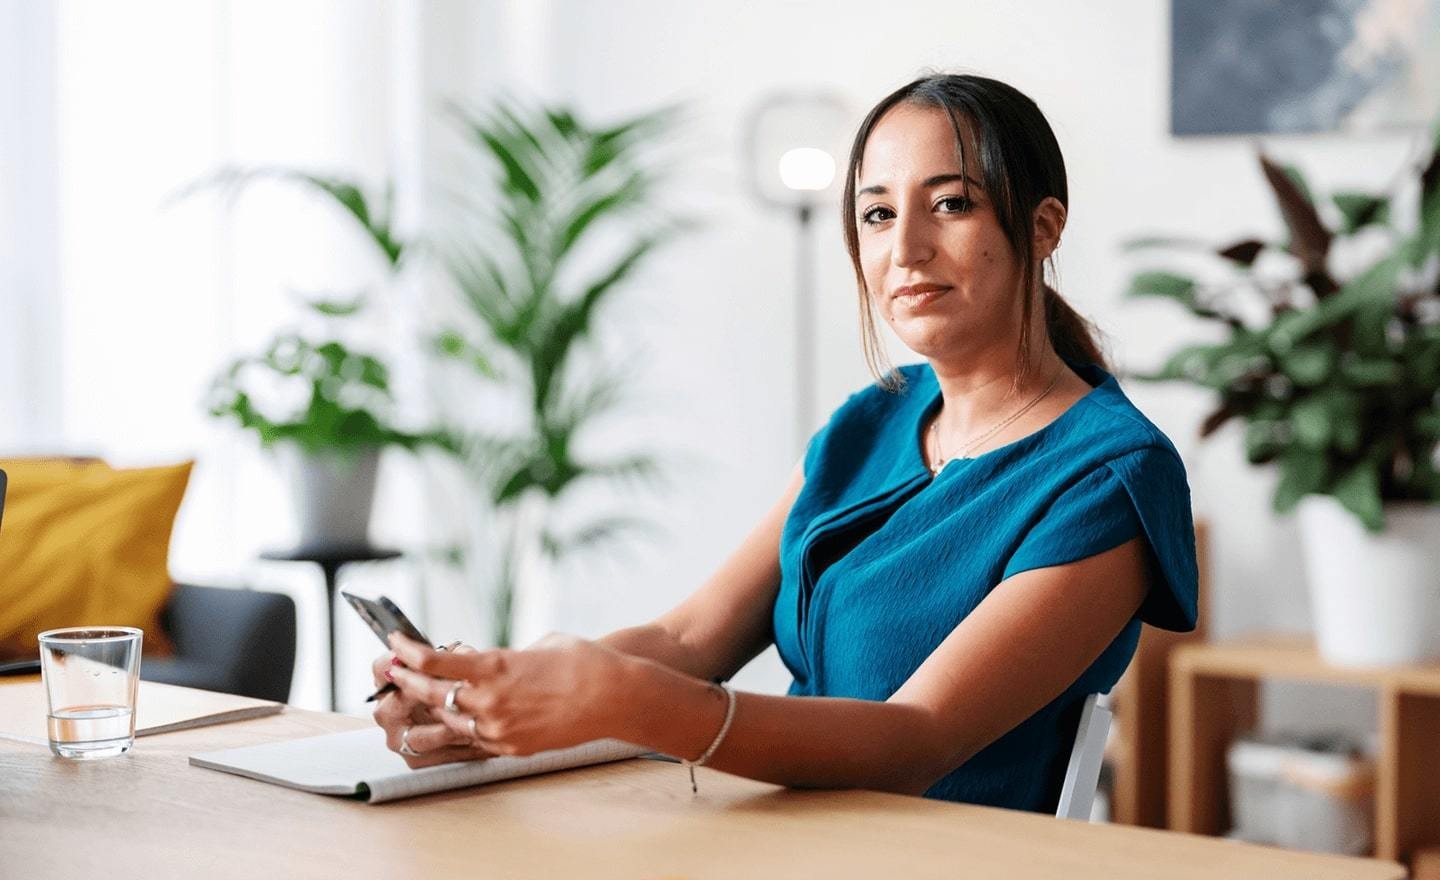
(91,675)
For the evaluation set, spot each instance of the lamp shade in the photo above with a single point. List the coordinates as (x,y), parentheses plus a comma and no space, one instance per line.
(796,147)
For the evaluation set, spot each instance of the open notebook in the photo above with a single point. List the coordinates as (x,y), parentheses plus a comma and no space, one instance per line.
(357,764)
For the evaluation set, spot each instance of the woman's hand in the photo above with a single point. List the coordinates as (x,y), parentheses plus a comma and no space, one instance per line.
(433,741)
(557,693)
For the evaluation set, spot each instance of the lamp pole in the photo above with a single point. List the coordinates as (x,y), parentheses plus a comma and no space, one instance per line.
(791,141)
(804,330)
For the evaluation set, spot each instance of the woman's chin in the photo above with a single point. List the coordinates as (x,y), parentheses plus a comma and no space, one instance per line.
(927,336)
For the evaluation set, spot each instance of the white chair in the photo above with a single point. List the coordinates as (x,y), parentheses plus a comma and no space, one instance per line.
(1077,794)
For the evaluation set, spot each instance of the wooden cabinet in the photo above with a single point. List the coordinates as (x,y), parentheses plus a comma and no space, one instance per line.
(1213,690)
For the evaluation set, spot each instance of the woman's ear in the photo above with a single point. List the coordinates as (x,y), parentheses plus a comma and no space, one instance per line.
(1049,223)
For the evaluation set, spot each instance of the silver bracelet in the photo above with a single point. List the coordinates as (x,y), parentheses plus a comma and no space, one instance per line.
(715,744)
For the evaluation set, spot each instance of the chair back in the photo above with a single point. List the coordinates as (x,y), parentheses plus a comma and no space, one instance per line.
(1082,776)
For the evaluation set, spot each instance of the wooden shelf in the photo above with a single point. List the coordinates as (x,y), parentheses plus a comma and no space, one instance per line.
(1138,752)
(1213,691)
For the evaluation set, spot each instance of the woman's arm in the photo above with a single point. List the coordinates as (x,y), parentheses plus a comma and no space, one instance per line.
(1030,638)
(725,623)
(708,636)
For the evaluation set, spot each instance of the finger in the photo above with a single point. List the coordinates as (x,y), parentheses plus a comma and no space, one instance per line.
(496,749)
(453,665)
(423,688)
(382,665)
(484,728)
(394,710)
(426,738)
(447,755)
(423,714)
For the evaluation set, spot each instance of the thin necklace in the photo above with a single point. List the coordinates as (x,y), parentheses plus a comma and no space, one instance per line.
(941,460)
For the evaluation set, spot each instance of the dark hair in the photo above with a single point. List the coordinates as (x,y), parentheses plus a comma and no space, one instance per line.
(1020,166)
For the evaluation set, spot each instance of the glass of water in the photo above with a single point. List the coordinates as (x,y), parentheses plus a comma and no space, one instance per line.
(91,675)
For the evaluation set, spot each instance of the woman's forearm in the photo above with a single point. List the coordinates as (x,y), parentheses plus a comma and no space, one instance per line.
(802,742)
(651,641)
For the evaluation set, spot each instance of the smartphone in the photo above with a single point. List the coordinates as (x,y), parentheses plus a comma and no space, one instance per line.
(384,617)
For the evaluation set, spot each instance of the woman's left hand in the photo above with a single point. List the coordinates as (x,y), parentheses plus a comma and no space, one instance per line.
(559,692)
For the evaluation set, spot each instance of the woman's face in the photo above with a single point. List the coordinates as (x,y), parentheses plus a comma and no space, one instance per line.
(936,263)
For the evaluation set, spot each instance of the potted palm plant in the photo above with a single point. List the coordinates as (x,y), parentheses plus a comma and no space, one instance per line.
(568,215)
(1331,357)
(324,408)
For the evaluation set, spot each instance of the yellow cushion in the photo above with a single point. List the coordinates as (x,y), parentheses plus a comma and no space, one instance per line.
(85,544)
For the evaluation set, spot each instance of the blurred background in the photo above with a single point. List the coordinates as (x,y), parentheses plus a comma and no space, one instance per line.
(127,286)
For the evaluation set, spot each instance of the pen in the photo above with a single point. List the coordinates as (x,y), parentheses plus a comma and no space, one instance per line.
(390,686)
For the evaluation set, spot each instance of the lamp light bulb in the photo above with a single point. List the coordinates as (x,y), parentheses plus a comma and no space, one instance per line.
(807,169)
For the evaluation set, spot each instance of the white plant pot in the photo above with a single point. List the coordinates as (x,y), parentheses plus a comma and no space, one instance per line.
(332,494)
(1375,597)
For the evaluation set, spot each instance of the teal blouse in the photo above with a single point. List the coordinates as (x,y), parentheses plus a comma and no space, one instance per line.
(880,562)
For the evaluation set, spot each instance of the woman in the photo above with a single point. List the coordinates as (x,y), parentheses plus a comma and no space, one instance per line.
(966,552)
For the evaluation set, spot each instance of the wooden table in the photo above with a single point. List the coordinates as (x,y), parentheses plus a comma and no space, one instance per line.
(149,814)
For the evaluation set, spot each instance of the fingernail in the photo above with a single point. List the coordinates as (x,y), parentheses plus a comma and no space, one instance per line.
(388,676)
(394,661)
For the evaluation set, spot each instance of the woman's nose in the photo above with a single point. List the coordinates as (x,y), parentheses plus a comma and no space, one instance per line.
(912,244)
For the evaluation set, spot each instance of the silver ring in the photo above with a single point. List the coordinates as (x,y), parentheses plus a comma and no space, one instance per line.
(405,747)
(474,732)
(450,647)
(450,697)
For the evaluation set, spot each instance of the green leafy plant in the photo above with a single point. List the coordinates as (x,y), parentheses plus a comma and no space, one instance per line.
(1336,378)
(348,400)
(533,276)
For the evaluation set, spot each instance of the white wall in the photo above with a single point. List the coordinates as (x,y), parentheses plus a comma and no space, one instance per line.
(29,304)
(152,94)
(156,295)
(1100,72)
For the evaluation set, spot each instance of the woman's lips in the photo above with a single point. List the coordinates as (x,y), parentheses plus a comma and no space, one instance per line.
(915,296)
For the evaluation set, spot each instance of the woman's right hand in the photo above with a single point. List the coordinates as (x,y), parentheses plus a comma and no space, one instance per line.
(435,742)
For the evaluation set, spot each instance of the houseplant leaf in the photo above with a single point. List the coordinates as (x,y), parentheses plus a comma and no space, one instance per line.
(1309,239)
(1302,472)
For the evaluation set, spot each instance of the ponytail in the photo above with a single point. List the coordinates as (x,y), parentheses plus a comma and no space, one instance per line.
(1072,336)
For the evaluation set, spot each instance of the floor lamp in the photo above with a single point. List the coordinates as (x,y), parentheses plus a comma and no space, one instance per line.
(794,144)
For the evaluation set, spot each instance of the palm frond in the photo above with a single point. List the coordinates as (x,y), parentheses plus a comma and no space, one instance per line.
(344,193)
(601,531)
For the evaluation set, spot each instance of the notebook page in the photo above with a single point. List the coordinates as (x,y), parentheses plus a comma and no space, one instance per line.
(357,762)
(449,776)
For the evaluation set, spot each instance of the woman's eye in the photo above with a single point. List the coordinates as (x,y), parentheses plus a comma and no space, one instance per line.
(876,215)
(955,204)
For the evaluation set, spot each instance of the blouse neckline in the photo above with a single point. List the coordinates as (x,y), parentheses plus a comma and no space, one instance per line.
(1095,376)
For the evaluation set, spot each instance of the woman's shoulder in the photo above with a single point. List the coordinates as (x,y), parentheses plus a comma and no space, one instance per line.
(875,405)
(872,432)
(1111,426)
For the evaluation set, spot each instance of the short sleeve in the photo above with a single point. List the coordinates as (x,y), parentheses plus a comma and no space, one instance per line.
(1143,493)
(813,449)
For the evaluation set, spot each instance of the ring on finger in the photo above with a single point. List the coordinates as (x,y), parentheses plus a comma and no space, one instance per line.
(405,747)
(474,728)
(450,697)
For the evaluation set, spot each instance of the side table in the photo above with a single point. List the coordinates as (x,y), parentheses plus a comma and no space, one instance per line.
(1213,697)
(330,562)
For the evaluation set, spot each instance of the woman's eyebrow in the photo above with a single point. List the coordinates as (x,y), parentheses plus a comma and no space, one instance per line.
(927,183)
